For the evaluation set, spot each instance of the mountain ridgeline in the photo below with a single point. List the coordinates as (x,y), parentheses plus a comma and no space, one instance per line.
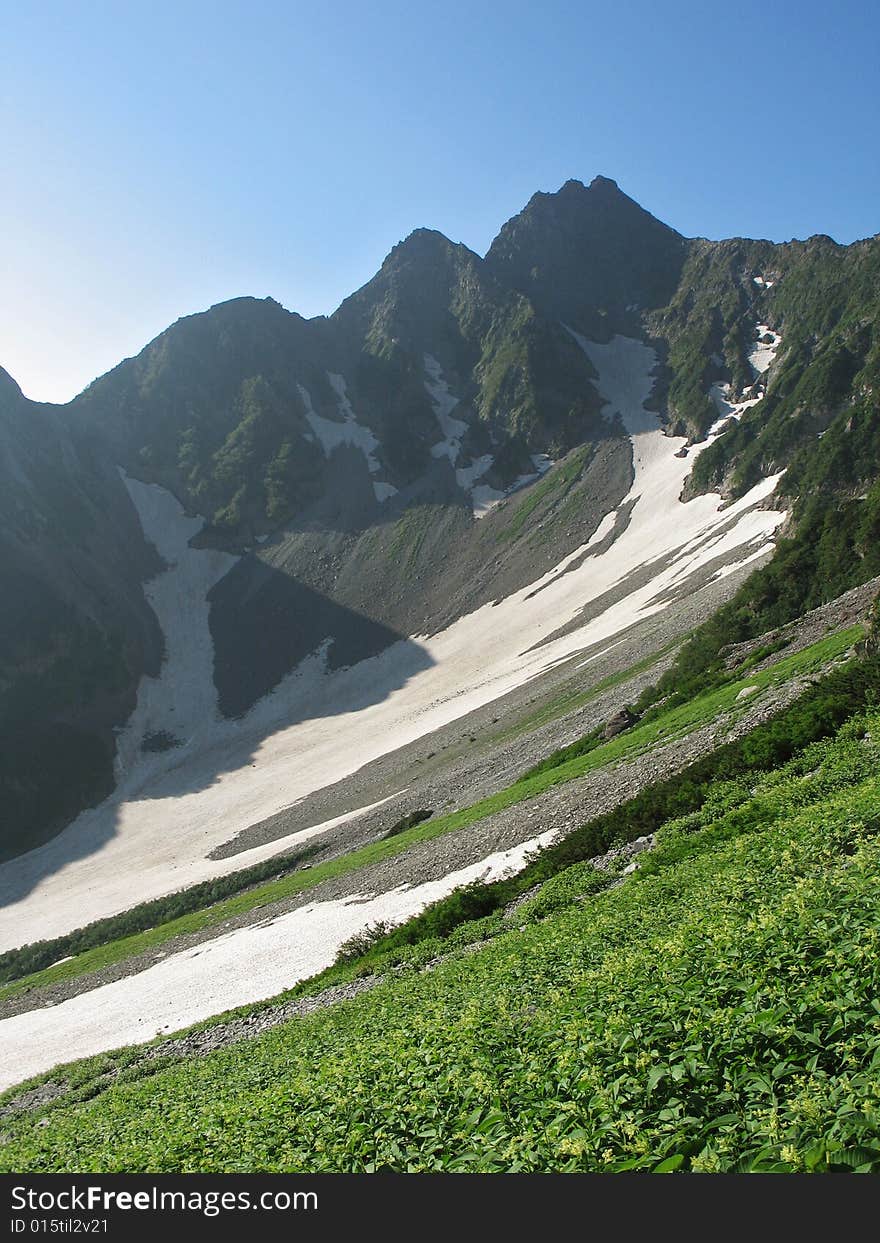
(435,444)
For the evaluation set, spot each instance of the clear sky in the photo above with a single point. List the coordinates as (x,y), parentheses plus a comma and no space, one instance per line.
(159,157)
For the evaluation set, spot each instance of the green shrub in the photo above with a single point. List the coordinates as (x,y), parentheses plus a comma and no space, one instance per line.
(571,885)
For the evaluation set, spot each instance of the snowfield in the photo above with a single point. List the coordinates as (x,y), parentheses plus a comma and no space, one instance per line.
(154,836)
(182,700)
(209,978)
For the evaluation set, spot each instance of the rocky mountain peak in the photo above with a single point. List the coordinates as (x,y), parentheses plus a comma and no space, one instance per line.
(412,290)
(425,252)
(599,182)
(423,241)
(598,186)
(588,254)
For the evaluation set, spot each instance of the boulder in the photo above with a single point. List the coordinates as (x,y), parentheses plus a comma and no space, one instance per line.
(747,692)
(618,723)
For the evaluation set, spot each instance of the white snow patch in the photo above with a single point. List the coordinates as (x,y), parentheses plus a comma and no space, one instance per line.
(605,527)
(467,476)
(761,356)
(727,409)
(444,403)
(182,700)
(331,434)
(383,491)
(605,650)
(758,551)
(207,979)
(484,499)
(763,353)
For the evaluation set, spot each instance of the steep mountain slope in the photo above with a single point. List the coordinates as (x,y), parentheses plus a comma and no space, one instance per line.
(207,410)
(75,630)
(813,412)
(253,416)
(326,490)
(515,372)
(768,350)
(350,445)
(431,394)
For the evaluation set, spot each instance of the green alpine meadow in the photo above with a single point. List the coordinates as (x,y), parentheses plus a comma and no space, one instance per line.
(717,1012)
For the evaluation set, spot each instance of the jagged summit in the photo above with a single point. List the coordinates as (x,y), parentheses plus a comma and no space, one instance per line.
(409,298)
(424,241)
(598,185)
(247,302)
(575,194)
(588,254)
(424,260)
(423,253)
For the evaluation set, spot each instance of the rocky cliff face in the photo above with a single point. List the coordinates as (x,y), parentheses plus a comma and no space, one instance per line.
(591,256)
(75,630)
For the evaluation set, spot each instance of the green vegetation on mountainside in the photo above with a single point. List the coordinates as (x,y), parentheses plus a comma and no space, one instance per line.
(821,560)
(518,372)
(556,485)
(819,422)
(570,701)
(708,327)
(825,302)
(717,1012)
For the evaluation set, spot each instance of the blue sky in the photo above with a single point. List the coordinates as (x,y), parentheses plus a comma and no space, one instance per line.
(159,158)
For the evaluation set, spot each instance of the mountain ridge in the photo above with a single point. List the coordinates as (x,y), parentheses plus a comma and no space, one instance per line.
(442,435)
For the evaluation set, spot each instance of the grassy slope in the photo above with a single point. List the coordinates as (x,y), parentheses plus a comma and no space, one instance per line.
(571,701)
(717,1012)
(666,726)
